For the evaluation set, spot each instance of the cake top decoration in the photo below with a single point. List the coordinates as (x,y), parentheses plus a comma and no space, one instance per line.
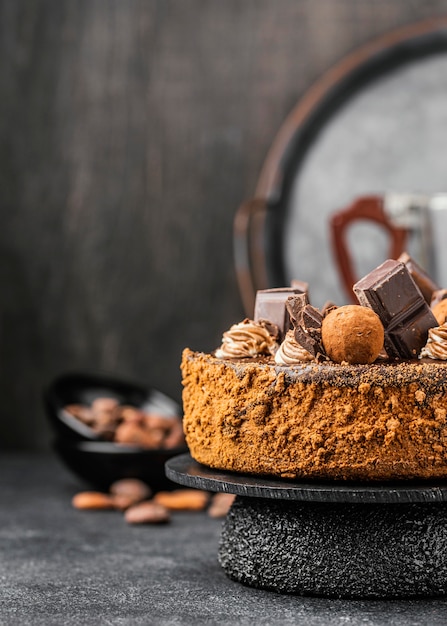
(436,346)
(290,352)
(440,311)
(249,339)
(425,283)
(270,305)
(307,327)
(400,315)
(352,334)
(390,291)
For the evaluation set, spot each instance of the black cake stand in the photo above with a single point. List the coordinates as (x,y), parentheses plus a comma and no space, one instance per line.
(332,539)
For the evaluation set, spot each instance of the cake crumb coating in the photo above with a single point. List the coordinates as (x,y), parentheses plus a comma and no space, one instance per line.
(383,421)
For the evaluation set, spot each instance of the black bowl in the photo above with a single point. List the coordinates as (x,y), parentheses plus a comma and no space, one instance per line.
(82,388)
(100,462)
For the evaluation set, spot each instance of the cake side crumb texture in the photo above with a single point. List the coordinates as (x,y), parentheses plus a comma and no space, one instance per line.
(360,422)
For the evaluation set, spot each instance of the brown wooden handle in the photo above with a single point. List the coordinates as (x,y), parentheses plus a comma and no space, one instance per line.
(363,208)
(249,253)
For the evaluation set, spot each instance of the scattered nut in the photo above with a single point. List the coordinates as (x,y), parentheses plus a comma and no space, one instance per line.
(122,502)
(352,334)
(81,412)
(132,488)
(106,405)
(133,433)
(93,500)
(175,437)
(183,499)
(129,425)
(154,420)
(132,414)
(148,512)
(220,504)
(131,496)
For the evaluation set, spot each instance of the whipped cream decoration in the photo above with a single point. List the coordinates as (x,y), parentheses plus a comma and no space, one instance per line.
(436,346)
(247,339)
(290,352)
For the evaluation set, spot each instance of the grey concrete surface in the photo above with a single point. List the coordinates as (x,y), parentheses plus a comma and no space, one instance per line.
(61,566)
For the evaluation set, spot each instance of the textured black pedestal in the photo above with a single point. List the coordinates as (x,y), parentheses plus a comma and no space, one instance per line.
(337,550)
(339,540)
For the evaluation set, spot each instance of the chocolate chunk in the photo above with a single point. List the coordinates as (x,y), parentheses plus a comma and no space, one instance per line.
(308,330)
(306,321)
(327,307)
(425,283)
(390,291)
(271,328)
(270,305)
(299,285)
(295,304)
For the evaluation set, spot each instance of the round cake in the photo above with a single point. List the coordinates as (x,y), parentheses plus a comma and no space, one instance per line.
(357,392)
(325,420)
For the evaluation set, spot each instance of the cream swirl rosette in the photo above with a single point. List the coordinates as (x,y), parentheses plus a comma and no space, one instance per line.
(248,339)
(290,352)
(436,346)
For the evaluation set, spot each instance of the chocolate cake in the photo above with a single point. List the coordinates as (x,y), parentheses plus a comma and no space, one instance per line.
(271,401)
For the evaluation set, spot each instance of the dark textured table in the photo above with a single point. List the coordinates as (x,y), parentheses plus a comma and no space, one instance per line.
(61,566)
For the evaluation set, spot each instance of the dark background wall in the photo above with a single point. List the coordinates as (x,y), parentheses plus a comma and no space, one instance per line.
(129,134)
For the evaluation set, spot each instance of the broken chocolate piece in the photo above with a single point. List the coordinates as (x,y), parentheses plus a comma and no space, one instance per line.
(306,321)
(327,307)
(390,291)
(271,328)
(299,285)
(425,283)
(295,304)
(308,330)
(270,305)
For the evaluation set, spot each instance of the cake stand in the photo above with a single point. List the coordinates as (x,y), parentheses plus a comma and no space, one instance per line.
(331,539)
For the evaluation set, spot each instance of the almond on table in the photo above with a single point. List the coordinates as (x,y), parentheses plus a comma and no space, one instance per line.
(92,500)
(183,499)
(220,504)
(148,512)
(133,488)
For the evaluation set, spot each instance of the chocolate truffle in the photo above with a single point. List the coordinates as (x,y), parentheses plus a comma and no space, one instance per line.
(352,334)
(439,310)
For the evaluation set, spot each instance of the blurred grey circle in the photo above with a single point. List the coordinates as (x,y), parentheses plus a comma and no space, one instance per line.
(392,136)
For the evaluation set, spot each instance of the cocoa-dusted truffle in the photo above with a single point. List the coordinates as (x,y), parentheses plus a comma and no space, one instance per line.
(352,334)
(439,310)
